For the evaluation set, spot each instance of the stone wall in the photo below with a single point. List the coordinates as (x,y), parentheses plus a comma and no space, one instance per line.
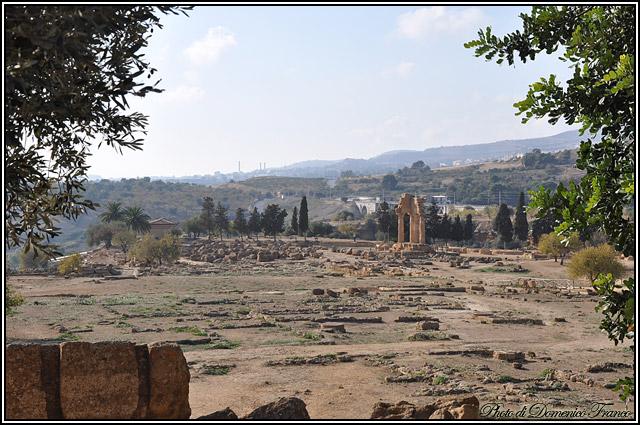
(102,380)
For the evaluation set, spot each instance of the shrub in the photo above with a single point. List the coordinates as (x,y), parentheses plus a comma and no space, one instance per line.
(70,264)
(12,298)
(593,261)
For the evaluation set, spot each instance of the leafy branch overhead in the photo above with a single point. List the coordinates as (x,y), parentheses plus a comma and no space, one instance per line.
(598,43)
(68,72)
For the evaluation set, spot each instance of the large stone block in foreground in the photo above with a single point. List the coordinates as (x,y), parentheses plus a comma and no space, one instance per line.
(98,380)
(24,397)
(169,382)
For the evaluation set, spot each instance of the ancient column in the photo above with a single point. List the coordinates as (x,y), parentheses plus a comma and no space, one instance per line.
(400,224)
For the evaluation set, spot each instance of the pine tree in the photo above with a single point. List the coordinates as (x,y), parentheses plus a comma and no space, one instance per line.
(502,224)
(273,220)
(240,222)
(221,222)
(303,221)
(255,222)
(520,224)
(468,228)
(207,215)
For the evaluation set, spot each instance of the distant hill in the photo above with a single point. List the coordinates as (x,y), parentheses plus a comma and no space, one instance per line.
(433,157)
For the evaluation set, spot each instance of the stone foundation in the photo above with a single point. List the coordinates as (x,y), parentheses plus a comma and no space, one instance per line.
(102,380)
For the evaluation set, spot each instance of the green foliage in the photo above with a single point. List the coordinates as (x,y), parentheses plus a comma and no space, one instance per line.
(149,249)
(12,299)
(541,226)
(240,224)
(303,220)
(319,228)
(386,219)
(208,214)
(593,261)
(343,216)
(432,222)
(554,246)
(502,224)
(255,222)
(520,224)
(220,220)
(112,212)
(273,220)
(124,239)
(599,44)
(389,182)
(294,221)
(70,264)
(194,226)
(347,229)
(440,380)
(136,219)
(32,260)
(103,233)
(618,307)
(457,230)
(68,71)
(503,379)
(468,228)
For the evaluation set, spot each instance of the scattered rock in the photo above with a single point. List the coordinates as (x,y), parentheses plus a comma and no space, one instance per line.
(285,408)
(219,415)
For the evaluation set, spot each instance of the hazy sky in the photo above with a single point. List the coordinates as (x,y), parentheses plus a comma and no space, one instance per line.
(278,85)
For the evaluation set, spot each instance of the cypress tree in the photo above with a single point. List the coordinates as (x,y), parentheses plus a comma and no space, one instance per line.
(520,224)
(457,231)
(502,224)
(303,221)
(432,222)
(468,228)
(294,220)
(445,228)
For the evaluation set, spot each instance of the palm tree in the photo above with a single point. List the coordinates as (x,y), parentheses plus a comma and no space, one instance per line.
(113,212)
(136,220)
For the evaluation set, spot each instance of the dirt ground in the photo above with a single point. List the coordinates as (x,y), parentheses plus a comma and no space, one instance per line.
(252,334)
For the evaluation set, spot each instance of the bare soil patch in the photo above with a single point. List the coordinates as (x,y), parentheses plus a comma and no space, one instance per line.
(252,332)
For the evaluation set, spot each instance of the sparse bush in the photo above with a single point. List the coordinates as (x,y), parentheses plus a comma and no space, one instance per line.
(593,261)
(12,298)
(70,264)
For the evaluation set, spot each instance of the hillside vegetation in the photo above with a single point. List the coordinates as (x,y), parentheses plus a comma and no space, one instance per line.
(477,184)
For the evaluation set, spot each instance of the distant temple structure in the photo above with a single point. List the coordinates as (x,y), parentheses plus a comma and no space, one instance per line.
(160,226)
(413,206)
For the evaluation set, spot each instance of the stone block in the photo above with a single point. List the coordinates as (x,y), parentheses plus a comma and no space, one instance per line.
(24,396)
(168,382)
(98,380)
(287,408)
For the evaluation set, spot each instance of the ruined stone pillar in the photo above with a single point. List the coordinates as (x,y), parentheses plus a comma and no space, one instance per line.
(400,225)
(423,236)
(415,230)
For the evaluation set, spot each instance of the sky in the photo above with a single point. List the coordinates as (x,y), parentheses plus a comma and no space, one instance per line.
(277,85)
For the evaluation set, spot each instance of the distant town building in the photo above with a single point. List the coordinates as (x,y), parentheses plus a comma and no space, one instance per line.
(161,226)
